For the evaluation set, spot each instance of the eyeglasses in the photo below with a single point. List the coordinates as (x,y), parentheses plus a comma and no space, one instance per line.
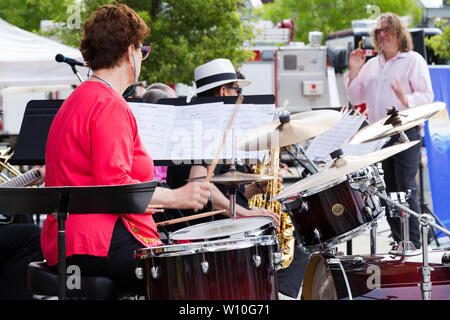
(385,30)
(145,51)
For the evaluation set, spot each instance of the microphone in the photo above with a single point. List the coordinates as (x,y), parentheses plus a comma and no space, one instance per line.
(60,58)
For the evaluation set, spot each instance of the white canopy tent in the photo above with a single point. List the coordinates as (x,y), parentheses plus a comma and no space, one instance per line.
(27,59)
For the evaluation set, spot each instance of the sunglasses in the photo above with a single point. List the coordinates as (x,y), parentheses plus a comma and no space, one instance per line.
(145,51)
(238,90)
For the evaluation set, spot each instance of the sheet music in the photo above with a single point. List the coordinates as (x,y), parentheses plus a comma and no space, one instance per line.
(195,132)
(154,121)
(337,137)
(248,116)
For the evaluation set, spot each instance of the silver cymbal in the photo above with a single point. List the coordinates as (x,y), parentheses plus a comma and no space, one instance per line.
(409,118)
(340,168)
(301,127)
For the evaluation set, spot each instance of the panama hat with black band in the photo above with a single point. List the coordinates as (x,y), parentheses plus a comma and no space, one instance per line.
(216,73)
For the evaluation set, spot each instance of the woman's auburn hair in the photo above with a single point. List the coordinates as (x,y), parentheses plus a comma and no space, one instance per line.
(398,29)
(108,33)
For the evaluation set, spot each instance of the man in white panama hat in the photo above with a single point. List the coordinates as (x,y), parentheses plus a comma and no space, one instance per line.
(219,78)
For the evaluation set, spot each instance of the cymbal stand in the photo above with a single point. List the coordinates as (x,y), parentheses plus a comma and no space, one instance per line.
(232,190)
(312,166)
(405,247)
(373,191)
(425,221)
(425,285)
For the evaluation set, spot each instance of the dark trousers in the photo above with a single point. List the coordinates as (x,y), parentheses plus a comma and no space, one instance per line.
(120,264)
(400,173)
(19,245)
(290,279)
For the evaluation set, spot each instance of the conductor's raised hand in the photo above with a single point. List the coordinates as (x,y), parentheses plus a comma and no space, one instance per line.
(355,62)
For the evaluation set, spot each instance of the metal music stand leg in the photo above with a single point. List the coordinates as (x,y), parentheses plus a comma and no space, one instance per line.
(61,218)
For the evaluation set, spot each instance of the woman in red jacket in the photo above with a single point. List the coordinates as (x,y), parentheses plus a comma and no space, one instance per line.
(94,140)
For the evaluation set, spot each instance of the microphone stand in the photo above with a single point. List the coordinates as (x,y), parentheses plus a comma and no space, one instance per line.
(74,69)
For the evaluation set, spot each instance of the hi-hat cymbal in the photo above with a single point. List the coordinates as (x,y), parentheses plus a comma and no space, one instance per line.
(340,168)
(235,178)
(301,127)
(409,118)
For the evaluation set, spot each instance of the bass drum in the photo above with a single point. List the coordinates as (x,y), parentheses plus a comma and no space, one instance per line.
(375,277)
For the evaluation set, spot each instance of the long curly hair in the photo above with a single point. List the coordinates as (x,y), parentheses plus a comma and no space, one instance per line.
(397,29)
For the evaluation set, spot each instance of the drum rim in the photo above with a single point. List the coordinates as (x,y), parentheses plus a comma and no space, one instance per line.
(262,227)
(175,250)
(333,242)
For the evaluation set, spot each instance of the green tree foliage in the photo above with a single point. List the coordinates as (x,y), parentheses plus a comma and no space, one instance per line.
(184,33)
(27,14)
(441,43)
(333,15)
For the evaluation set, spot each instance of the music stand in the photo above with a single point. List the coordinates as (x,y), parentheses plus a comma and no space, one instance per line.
(61,201)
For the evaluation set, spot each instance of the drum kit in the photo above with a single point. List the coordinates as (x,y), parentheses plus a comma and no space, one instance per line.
(238,258)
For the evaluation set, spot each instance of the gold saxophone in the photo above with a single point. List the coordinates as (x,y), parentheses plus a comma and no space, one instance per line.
(286,235)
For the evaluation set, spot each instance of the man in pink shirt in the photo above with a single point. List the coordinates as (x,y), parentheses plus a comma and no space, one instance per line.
(398,77)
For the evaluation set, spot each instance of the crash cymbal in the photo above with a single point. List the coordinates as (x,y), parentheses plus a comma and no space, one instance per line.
(235,178)
(387,127)
(340,168)
(301,127)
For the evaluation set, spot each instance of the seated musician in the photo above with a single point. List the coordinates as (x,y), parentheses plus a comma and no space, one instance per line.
(94,140)
(210,81)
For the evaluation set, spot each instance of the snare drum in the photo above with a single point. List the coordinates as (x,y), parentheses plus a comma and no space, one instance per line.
(231,269)
(375,277)
(332,213)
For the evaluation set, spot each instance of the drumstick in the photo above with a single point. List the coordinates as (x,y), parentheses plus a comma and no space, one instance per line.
(152,210)
(159,206)
(195,216)
(213,165)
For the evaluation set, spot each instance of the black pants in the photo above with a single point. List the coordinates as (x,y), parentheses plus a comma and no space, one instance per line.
(119,265)
(19,245)
(290,279)
(400,173)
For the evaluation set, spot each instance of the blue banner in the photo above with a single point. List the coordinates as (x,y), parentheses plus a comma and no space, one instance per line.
(437,142)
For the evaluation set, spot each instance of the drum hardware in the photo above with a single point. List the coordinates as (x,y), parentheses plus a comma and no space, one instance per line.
(276,256)
(139,273)
(204,264)
(299,148)
(256,258)
(425,286)
(373,191)
(373,237)
(155,272)
(405,246)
